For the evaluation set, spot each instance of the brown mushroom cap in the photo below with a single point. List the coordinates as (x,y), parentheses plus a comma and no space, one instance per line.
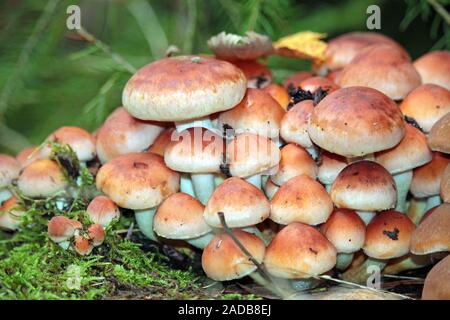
(426,180)
(28,155)
(314,83)
(356,121)
(10,214)
(279,93)
(241,202)
(432,234)
(137,180)
(364,185)
(382,67)
(445,185)
(42,178)
(223,260)
(301,199)
(388,235)
(345,230)
(102,210)
(434,67)
(257,75)
(426,104)
(61,228)
(183,88)
(249,154)
(341,50)
(9,170)
(295,161)
(180,216)
(122,134)
(257,113)
(81,142)
(161,142)
(437,282)
(82,245)
(410,153)
(330,167)
(195,150)
(295,79)
(439,135)
(294,124)
(299,251)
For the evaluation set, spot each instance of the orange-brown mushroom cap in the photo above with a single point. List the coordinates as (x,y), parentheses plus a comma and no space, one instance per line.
(279,93)
(427,179)
(301,199)
(11,212)
(102,210)
(180,216)
(388,235)
(382,67)
(437,282)
(345,230)
(314,83)
(183,88)
(426,104)
(294,124)
(223,260)
(299,251)
(161,142)
(439,135)
(257,75)
(61,228)
(364,185)
(356,121)
(241,203)
(137,180)
(9,169)
(432,234)
(434,67)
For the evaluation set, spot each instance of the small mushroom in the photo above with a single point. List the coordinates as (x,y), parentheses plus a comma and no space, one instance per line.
(102,210)
(82,245)
(61,230)
(11,213)
(9,171)
(96,234)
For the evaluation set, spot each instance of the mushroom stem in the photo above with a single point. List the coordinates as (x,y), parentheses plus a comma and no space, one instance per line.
(408,262)
(313,152)
(328,187)
(305,284)
(403,182)
(416,209)
(5,194)
(361,273)
(432,202)
(283,288)
(218,179)
(202,241)
(186,185)
(144,219)
(255,180)
(203,184)
(366,216)
(204,122)
(343,260)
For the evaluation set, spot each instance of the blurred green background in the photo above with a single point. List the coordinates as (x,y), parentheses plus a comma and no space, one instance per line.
(49,77)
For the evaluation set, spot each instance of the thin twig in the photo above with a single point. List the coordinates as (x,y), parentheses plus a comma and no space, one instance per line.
(440,9)
(106,49)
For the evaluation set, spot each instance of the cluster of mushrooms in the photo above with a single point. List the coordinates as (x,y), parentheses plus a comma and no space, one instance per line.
(338,171)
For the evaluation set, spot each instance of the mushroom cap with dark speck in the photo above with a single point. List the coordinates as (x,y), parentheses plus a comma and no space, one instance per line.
(345,230)
(223,260)
(242,203)
(364,185)
(434,67)
(180,216)
(9,170)
(137,180)
(42,178)
(410,153)
(257,113)
(382,67)
(388,235)
(183,88)
(356,121)
(432,234)
(426,104)
(122,134)
(301,199)
(437,282)
(299,251)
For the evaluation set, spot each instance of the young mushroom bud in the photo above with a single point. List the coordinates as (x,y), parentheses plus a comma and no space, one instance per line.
(61,229)
(11,213)
(82,245)
(96,234)
(102,210)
